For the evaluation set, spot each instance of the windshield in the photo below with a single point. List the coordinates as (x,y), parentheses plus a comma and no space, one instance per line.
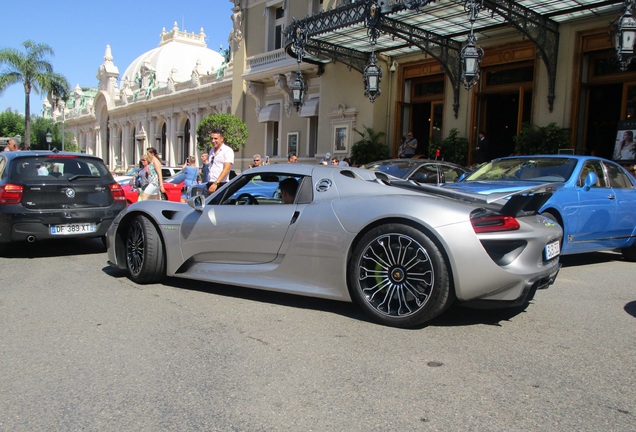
(530,169)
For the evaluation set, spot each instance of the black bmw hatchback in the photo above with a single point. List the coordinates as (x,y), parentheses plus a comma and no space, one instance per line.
(54,195)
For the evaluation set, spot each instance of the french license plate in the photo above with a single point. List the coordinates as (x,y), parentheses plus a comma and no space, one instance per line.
(552,250)
(71,229)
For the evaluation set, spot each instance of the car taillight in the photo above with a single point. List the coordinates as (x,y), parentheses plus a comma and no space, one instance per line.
(117,192)
(10,194)
(494,223)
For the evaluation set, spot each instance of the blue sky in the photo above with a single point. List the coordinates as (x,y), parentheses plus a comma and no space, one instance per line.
(78,31)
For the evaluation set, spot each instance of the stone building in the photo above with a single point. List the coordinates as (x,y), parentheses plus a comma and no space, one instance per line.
(543,62)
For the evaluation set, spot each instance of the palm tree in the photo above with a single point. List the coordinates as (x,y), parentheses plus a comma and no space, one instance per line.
(32,69)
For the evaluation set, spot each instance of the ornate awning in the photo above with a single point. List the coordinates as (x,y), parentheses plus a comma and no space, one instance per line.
(438,28)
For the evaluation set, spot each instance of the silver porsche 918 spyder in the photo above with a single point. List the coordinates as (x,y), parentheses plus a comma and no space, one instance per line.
(402,251)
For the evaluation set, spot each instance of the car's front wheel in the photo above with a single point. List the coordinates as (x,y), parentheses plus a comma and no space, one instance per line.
(398,276)
(145,259)
(630,253)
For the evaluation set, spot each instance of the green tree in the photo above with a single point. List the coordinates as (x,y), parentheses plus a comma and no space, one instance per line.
(541,139)
(234,131)
(370,147)
(11,124)
(32,69)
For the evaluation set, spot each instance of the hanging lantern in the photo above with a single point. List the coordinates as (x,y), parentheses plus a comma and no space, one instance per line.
(471,56)
(625,37)
(372,79)
(298,90)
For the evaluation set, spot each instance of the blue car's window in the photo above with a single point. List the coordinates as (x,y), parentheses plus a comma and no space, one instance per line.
(595,167)
(618,178)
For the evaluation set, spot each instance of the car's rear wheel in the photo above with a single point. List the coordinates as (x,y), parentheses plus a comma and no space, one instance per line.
(145,259)
(398,276)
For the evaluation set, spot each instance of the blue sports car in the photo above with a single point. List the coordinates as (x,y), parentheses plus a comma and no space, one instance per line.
(594,199)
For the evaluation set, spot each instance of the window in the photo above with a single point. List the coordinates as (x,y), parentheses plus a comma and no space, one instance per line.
(618,179)
(263,189)
(273,147)
(276,25)
(593,167)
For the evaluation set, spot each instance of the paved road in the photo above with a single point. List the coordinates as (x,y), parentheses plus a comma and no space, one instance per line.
(83,348)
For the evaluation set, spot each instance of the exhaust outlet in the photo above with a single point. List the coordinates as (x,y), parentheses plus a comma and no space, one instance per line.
(31,238)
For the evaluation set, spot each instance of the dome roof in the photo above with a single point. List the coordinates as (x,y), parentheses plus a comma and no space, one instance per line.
(179,52)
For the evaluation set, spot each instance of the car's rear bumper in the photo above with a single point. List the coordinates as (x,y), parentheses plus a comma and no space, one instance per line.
(34,226)
(527,293)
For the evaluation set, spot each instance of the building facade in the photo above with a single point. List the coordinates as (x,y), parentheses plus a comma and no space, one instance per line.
(569,78)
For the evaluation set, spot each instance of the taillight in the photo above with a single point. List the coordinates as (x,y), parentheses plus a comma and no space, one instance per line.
(117,192)
(494,223)
(10,194)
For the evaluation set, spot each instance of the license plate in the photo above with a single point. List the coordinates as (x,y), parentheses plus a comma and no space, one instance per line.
(552,250)
(71,229)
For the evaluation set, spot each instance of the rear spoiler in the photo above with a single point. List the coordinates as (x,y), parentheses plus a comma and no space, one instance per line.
(513,203)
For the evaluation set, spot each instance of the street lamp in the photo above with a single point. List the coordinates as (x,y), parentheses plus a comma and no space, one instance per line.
(49,138)
(298,90)
(471,54)
(625,36)
(372,78)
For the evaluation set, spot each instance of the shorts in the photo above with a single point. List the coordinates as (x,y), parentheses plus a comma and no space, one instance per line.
(152,189)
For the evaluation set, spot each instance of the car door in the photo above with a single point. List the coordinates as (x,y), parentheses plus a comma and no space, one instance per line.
(235,231)
(624,191)
(592,216)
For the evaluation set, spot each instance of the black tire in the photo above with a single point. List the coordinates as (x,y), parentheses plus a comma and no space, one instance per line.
(399,277)
(629,254)
(145,259)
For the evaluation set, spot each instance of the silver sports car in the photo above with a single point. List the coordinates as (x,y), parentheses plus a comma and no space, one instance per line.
(402,251)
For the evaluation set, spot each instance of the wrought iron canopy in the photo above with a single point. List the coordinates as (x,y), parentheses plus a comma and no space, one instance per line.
(435,27)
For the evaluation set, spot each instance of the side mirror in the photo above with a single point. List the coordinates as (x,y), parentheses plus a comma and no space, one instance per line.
(197,202)
(590,181)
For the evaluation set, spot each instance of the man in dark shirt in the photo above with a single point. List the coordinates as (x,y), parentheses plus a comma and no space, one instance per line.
(481,149)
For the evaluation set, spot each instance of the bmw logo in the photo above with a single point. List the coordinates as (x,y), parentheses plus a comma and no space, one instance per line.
(70,193)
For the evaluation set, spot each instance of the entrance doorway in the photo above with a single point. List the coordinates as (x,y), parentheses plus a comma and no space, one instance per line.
(502,117)
(603,115)
(427,125)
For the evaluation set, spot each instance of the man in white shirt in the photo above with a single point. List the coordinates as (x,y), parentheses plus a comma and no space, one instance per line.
(221,160)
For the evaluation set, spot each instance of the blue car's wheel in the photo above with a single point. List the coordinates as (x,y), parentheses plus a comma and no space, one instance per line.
(398,276)
(630,253)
